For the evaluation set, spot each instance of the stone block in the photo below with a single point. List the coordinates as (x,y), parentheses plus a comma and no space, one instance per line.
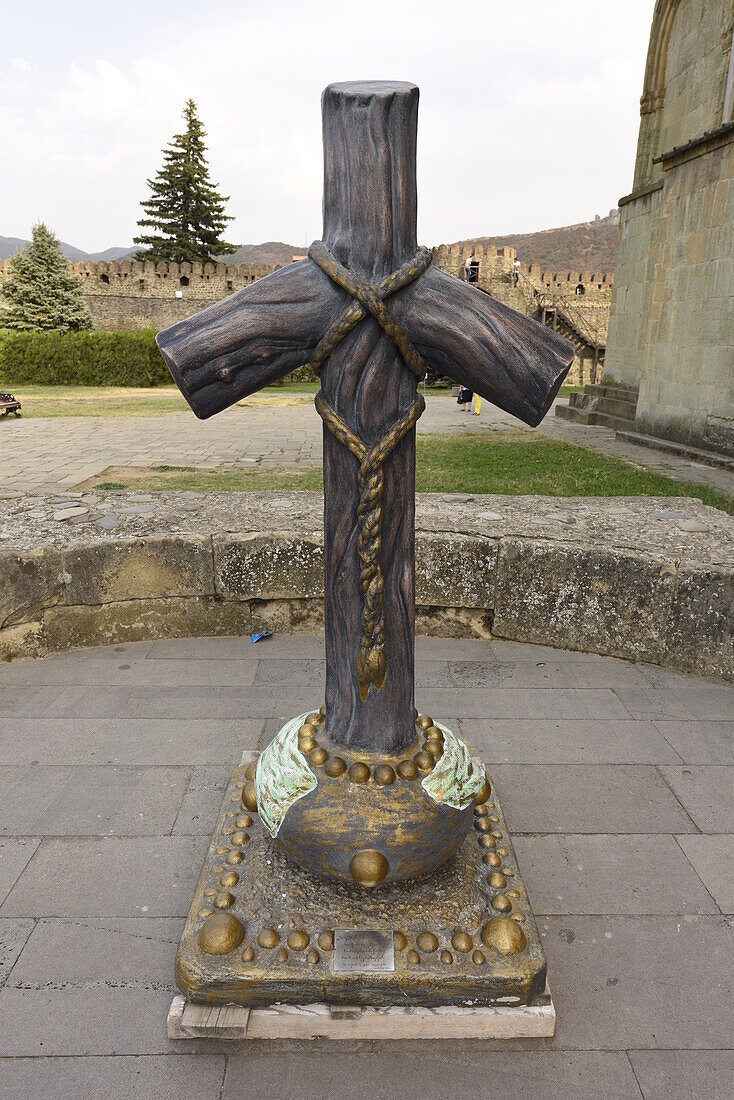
(156,567)
(455,571)
(570,596)
(137,620)
(700,637)
(30,581)
(268,567)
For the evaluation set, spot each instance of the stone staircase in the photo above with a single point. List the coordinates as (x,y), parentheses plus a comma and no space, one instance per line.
(602,404)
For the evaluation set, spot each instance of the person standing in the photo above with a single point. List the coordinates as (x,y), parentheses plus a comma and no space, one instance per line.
(477,404)
(516,271)
(465,399)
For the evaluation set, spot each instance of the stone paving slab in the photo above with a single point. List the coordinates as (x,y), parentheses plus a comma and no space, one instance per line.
(633,983)
(202,801)
(684,1075)
(577,741)
(700,742)
(121,876)
(13,937)
(712,857)
(90,801)
(15,855)
(588,798)
(706,794)
(82,950)
(521,1075)
(629,889)
(114,1078)
(580,874)
(119,741)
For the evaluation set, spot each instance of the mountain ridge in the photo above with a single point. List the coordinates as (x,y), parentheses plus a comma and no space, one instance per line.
(583,247)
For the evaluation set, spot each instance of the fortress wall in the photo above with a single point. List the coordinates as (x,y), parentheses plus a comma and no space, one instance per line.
(133,294)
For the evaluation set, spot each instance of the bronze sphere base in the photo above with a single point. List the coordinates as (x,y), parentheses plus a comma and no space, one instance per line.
(370,820)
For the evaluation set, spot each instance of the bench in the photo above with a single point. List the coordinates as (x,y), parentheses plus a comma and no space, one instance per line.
(8,404)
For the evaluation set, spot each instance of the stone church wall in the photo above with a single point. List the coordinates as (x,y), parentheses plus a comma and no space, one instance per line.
(671,331)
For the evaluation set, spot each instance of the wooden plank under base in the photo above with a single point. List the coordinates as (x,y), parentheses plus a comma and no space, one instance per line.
(193,1021)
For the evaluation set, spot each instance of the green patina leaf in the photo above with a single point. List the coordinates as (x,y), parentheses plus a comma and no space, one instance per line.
(283,776)
(456,777)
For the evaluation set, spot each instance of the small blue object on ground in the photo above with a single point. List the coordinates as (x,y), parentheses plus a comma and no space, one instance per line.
(259,637)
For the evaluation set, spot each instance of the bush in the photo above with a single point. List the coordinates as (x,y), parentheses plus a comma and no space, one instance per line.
(82,359)
(92,359)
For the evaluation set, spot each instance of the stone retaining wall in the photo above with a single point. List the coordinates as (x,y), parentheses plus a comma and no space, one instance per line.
(646,579)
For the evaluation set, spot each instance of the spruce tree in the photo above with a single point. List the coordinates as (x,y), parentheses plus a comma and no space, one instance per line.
(40,292)
(185,211)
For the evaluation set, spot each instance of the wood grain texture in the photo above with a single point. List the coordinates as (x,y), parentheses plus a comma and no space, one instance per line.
(370,226)
(260,333)
(267,329)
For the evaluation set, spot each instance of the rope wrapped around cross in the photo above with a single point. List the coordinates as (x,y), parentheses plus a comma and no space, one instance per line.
(369,300)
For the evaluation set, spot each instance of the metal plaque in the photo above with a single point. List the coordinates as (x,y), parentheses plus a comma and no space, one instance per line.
(368,952)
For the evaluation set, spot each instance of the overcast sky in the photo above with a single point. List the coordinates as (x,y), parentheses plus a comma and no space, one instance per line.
(528,118)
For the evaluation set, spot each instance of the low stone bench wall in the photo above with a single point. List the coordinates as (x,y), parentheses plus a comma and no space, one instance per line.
(647,579)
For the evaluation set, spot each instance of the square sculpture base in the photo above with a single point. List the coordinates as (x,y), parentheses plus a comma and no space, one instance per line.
(291,938)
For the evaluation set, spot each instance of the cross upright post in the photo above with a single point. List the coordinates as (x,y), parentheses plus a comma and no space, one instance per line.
(370,314)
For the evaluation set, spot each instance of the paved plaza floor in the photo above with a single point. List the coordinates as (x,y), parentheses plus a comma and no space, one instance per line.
(60,453)
(617,783)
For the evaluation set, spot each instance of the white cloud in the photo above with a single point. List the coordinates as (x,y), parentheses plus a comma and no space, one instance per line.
(20,65)
(528,112)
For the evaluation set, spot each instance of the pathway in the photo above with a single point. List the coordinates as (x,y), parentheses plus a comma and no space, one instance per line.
(616,781)
(60,453)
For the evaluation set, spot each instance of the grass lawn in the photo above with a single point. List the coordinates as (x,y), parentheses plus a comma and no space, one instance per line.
(56,401)
(519,464)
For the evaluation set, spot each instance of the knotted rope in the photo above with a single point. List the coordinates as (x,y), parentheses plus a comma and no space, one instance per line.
(371,662)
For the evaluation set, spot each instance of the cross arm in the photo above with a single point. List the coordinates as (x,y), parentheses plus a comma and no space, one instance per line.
(249,340)
(508,358)
(238,345)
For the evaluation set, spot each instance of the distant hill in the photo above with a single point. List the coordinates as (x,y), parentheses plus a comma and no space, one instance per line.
(589,246)
(271,252)
(10,245)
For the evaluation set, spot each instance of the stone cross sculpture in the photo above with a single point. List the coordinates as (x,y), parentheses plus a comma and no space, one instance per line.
(349,791)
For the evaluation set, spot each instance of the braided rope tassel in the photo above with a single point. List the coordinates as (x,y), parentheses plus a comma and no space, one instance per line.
(371,662)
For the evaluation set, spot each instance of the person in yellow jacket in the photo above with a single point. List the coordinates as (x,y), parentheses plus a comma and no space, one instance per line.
(477,404)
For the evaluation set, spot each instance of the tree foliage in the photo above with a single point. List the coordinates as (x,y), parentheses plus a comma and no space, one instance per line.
(41,294)
(185,214)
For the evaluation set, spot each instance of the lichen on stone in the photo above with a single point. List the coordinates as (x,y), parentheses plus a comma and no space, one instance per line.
(457,777)
(282,777)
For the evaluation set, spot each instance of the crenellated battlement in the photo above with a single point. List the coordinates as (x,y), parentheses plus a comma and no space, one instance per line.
(496,262)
